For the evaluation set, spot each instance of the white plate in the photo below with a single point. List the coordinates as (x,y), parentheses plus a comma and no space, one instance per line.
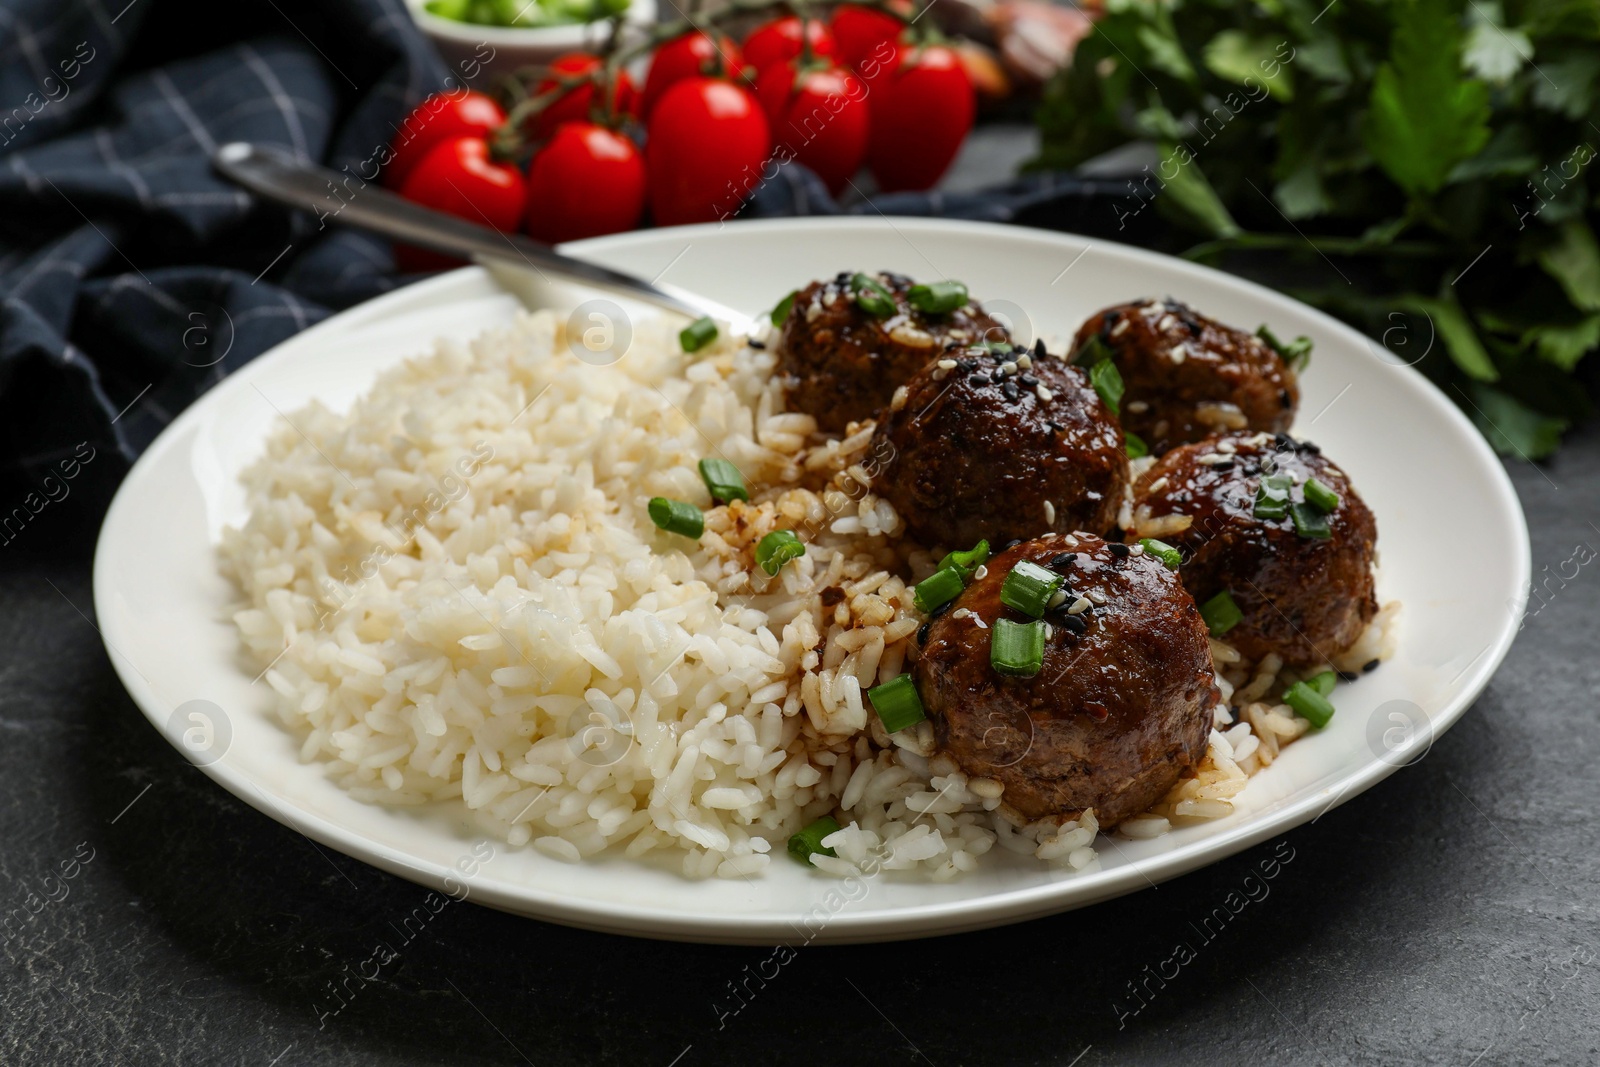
(1454,549)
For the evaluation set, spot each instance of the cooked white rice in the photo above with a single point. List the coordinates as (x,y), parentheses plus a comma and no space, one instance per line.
(462,600)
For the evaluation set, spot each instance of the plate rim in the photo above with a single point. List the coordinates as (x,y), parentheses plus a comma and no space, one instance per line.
(919,920)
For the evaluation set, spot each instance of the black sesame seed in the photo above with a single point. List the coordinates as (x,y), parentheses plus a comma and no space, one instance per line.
(941,609)
(1019,350)
(1009,545)
(1075,623)
(965,365)
(1056,426)
(757,345)
(1310,448)
(922,633)
(1369,666)
(1062,559)
(1284,442)
(1283,398)
(979,379)
(1118,549)
(1225,465)
(1038,348)
(1028,380)
(1010,389)
(1348,676)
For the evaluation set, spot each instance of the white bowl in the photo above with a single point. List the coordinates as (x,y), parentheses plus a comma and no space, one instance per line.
(476,54)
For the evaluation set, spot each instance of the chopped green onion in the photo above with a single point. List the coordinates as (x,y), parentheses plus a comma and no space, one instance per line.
(938,588)
(723,480)
(1272,498)
(808,842)
(897,703)
(1091,352)
(1296,353)
(1029,587)
(674,516)
(1320,496)
(874,299)
(698,334)
(780,314)
(1323,683)
(1311,704)
(967,562)
(1017,648)
(1221,613)
(1107,381)
(1309,522)
(778,548)
(1136,447)
(937,298)
(1162,551)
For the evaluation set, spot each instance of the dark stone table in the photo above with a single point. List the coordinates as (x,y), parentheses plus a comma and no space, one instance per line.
(1446,916)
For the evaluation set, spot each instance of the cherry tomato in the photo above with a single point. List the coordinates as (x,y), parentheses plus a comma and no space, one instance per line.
(439,117)
(858,32)
(780,40)
(460,177)
(587,181)
(574,105)
(707,143)
(690,56)
(818,118)
(922,109)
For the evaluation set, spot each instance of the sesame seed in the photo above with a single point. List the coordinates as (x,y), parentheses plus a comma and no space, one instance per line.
(1038,347)
(1118,549)
(1049,631)
(1061,559)
(1058,598)
(1074,623)
(940,374)
(1043,394)
(1211,459)
(1025,361)
(947,364)
(1121,328)
(898,401)
(1135,550)
(1010,389)
(1167,322)
(1079,606)
(1226,445)
(1027,381)
(1096,595)
(981,573)
(1138,407)
(1158,485)
(960,613)
(1049,513)
(1008,367)
(1177,353)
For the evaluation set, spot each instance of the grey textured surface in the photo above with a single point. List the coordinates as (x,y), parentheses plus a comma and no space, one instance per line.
(1446,916)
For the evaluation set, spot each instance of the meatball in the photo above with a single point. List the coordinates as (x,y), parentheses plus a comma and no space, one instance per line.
(1187,376)
(1120,710)
(1305,598)
(841,364)
(1000,443)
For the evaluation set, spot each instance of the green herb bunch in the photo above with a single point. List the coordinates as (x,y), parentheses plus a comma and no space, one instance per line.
(1436,160)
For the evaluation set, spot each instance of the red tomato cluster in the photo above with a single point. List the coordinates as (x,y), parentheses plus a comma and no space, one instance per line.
(716,115)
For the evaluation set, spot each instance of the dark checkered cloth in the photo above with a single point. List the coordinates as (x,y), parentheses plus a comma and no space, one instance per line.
(134,278)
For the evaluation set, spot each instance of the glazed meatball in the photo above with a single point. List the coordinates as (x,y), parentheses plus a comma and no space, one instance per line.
(1187,376)
(1000,444)
(841,364)
(1121,708)
(1306,598)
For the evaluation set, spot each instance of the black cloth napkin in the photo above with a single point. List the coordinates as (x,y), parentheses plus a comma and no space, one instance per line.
(134,278)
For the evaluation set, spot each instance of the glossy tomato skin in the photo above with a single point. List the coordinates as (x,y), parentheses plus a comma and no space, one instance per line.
(707,143)
(860,32)
(693,55)
(587,181)
(819,119)
(439,118)
(922,110)
(460,177)
(780,40)
(574,105)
